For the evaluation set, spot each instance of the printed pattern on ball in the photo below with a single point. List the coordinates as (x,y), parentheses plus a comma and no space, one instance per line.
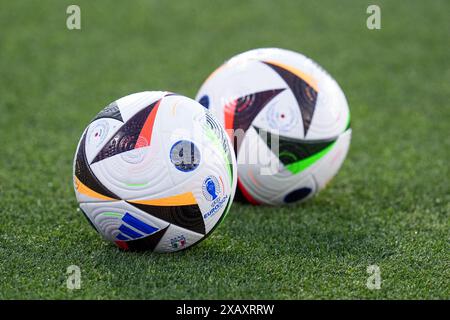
(136,133)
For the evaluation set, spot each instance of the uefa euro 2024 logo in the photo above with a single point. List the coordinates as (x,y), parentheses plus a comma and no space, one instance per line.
(212,191)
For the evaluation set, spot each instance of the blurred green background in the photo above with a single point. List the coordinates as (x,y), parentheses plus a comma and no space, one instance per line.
(388,206)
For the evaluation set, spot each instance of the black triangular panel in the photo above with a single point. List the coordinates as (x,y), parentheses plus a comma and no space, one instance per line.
(84,173)
(292,150)
(305,95)
(148,243)
(111,111)
(189,216)
(247,108)
(125,139)
(170,94)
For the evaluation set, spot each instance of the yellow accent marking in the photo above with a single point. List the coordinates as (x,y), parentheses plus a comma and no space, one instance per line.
(215,72)
(308,79)
(81,188)
(174,106)
(178,200)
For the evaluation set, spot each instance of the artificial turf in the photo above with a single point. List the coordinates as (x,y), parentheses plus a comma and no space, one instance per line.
(389,204)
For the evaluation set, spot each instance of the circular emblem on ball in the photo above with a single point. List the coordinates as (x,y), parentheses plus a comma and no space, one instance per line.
(185,155)
(98,133)
(281,117)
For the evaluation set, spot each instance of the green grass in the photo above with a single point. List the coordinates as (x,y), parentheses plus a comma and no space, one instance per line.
(388,206)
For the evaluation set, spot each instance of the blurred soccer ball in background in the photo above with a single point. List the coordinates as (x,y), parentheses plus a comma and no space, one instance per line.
(154,171)
(289,121)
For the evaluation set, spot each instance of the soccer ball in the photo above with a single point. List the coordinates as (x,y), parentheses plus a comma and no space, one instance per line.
(289,121)
(154,171)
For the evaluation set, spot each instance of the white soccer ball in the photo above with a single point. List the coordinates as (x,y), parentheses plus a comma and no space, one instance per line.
(289,120)
(154,171)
